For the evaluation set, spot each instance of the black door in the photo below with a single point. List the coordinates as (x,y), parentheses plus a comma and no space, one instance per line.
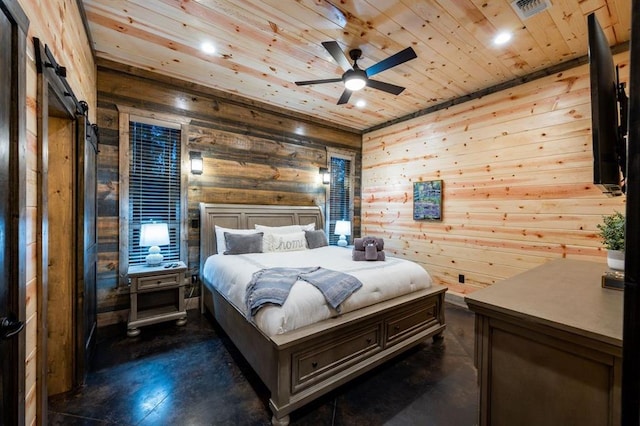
(6,346)
(87,244)
(12,221)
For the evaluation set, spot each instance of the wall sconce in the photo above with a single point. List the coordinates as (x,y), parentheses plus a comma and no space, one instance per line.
(197,165)
(326,176)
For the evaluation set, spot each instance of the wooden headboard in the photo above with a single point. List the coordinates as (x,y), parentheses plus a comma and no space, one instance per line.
(245,216)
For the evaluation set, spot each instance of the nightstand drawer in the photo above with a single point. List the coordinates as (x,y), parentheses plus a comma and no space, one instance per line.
(156,281)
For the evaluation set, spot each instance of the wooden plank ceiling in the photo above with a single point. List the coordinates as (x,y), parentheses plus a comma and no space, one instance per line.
(263,47)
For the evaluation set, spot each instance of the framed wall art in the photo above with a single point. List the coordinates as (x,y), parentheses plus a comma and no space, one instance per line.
(427,200)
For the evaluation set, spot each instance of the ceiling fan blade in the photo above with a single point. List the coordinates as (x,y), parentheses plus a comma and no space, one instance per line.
(393,60)
(385,87)
(327,80)
(334,49)
(345,97)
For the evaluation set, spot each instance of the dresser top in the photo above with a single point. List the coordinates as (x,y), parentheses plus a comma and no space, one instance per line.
(565,294)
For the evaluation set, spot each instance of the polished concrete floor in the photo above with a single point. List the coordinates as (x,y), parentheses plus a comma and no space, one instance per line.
(193,375)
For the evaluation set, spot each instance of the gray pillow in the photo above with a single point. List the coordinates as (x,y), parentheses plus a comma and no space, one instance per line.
(241,244)
(316,239)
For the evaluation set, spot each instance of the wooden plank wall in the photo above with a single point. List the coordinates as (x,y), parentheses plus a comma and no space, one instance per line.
(517,172)
(252,155)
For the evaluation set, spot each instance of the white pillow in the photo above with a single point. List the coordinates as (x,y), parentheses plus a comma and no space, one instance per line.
(221,246)
(286,229)
(293,241)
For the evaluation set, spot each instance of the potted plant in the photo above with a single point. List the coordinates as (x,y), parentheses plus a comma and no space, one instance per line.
(612,235)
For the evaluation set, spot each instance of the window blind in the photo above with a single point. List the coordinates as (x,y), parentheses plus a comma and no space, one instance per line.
(339,194)
(154,186)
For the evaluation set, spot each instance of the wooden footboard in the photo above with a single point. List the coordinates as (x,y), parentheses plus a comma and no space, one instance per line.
(303,364)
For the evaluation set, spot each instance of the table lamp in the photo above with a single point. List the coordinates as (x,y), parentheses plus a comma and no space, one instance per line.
(153,235)
(343,228)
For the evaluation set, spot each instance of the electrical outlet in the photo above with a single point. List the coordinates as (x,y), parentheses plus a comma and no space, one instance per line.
(461,278)
(194,279)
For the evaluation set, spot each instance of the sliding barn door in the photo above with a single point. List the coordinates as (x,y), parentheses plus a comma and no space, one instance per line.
(87,246)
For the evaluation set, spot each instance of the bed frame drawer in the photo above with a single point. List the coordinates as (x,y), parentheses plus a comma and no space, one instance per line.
(410,321)
(334,355)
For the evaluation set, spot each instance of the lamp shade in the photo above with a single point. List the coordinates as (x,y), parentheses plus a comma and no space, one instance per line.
(154,234)
(343,227)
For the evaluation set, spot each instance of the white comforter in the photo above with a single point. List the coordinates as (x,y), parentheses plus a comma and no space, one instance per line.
(230,275)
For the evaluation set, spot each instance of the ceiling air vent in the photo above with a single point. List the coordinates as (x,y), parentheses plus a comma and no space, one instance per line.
(528,8)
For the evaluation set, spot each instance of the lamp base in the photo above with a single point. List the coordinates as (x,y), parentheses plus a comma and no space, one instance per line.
(342,242)
(154,258)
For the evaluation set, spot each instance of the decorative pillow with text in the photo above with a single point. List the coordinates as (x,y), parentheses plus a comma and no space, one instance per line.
(293,241)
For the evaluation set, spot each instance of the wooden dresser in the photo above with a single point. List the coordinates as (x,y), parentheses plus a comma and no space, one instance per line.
(548,347)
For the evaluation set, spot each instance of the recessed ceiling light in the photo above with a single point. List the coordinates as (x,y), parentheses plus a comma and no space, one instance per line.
(502,38)
(361,103)
(208,48)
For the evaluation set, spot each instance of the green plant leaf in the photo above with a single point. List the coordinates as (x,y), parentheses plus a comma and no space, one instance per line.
(612,231)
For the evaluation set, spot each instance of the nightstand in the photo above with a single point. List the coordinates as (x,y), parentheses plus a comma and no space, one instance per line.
(157,295)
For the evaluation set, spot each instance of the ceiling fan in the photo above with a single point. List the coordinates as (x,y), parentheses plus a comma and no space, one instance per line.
(355,78)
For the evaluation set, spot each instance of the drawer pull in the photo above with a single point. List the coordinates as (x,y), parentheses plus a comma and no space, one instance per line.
(159,282)
(396,328)
(314,364)
(369,340)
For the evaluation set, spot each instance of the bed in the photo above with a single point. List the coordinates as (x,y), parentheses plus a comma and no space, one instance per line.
(300,363)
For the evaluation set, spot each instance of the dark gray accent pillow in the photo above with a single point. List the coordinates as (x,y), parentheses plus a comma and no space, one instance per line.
(316,239)
(242,244)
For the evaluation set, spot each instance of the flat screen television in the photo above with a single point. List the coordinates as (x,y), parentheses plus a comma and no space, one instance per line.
(608,114)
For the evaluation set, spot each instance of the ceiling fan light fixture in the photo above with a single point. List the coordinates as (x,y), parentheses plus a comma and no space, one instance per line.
(354,80)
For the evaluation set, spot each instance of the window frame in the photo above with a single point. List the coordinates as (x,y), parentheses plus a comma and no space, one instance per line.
(344,155)
(125,117)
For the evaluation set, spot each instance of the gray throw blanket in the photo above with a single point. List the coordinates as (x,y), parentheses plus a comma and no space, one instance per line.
(273,285)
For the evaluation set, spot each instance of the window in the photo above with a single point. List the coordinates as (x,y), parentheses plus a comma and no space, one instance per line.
(341,191)
(154,186)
